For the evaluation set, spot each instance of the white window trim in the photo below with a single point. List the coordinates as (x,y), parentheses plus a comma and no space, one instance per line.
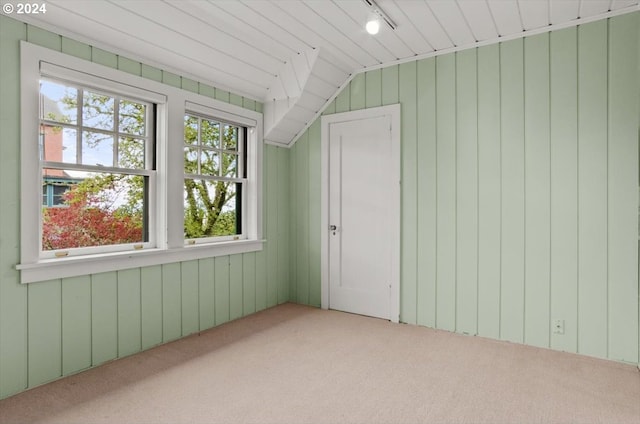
(172,105)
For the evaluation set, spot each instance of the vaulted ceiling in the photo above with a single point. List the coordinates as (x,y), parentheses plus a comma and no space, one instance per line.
(293,55)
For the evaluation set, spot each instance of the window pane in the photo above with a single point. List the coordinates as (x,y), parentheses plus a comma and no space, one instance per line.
(210,209)
(97,149)
(101,209)
(130,153)
(132,118)
(209,162)
(190,160)
(190,129)
(58,102)
(58,194)
(58,144)
(97,111)
(210,133)
(229,165)
(230,137)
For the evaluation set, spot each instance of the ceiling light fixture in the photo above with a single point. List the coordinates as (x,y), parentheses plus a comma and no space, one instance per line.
(373,24)
(377,14)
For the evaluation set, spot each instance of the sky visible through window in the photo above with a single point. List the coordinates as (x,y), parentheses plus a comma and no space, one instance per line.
(64,99)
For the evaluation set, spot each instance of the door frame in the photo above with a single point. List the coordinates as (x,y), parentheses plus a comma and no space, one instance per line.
(394,173)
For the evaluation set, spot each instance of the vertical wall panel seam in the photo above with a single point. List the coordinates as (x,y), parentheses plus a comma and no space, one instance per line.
(608,29)
(366,74)
(500,45)
(117,314)
(418,226)
(91,319)
(182,332)
(524,190)
(417,181)
(477,323)
(28,367)
(140,290)
(197,264)
(455,187)
(273,238)
(435,120)
(61,330)
(549,93)
(351,89)
(308,226)
(242,277)
(213,289)
(381,87)
(577,70)
(162,278)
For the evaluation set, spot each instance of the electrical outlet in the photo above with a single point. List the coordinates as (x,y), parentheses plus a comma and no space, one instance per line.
(558,326)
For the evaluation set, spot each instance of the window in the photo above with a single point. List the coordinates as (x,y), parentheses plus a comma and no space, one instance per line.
(102,144)
(214,179)
(54,191)
(118,171)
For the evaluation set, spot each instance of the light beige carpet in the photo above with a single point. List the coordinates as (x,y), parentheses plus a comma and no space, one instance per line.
(296,364)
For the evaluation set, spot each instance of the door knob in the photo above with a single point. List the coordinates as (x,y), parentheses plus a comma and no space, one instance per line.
(332,228)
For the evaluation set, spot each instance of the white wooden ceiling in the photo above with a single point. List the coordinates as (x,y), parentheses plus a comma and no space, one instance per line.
(243,45)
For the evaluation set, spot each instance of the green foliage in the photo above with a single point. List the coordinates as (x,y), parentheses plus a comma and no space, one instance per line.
(209,204)
(86,221)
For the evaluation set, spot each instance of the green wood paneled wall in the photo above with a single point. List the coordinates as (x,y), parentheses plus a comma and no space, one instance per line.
(56,328)
(519,188)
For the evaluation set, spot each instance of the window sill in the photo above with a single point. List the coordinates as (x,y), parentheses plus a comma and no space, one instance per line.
(48,269)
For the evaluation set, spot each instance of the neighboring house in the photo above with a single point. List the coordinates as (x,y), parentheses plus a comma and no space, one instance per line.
(55,182)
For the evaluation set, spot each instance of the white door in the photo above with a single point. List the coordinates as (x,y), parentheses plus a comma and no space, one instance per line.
(363,205)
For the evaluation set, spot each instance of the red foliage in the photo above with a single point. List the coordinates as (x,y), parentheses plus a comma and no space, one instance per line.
(83,223)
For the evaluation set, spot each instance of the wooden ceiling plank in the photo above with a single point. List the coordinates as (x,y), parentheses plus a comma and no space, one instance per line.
(479,18)
(326,33)
(621,4)
(318,87)
(298,29)
(261,23)
(451,18)
(328,72)
(534,14)
(563,10)
(222,20)
(423,19)
(406,30)
(301,114)
(506,16)
(169,16)
(80,14)
(128,23)
(311,101)
(593,7)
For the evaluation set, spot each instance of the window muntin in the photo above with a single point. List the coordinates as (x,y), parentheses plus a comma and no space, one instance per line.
(103,143)
(214,179)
